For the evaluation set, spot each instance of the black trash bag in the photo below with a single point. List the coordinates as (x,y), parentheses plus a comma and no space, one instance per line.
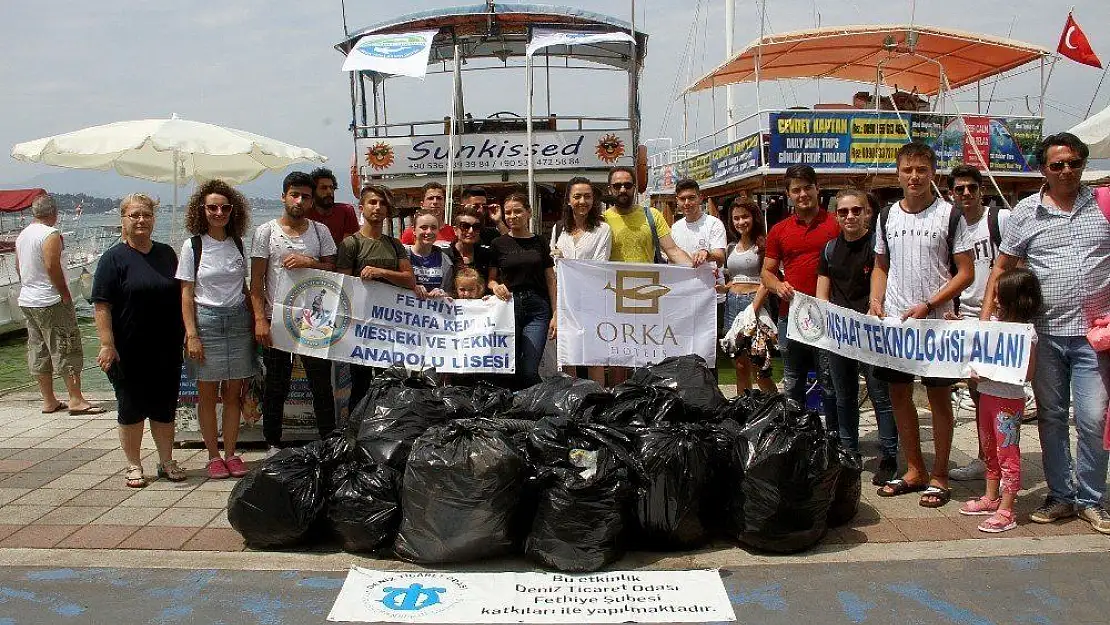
(722,499)
(560,396)
(695,384)
(636,404)
(677,462)
(790,475)
(277,503)
(398,408)
(585,477)
(744,406)
(364,507)
(460,489)
(845,503)
(490,400)
(458,402)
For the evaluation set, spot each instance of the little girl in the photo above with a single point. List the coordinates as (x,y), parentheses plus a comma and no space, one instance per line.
(1017,299)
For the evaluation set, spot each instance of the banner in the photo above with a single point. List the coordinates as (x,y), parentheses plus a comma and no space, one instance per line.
(926,347)
(329,315)
(545,38)
(632,314)
(715,167)
(870,140)
(599,149)
(612,597)
(403,54)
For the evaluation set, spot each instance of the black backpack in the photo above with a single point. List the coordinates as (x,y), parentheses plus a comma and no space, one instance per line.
(195,243)
(954,219)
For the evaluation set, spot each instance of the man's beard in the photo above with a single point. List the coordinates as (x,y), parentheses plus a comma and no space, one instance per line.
(325,203)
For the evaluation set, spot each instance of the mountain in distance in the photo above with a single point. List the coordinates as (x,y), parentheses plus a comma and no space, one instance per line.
(108,184)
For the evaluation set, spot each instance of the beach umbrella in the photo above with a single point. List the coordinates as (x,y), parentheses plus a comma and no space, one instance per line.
(1095,132)
(170,150)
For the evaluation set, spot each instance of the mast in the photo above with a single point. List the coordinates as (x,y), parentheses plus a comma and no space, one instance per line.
(730,33)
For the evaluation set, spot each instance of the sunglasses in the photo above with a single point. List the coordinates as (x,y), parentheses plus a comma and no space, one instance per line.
(622,185)
(961,189)
(219,208)
(466,226)
(856,211)
(1073,164)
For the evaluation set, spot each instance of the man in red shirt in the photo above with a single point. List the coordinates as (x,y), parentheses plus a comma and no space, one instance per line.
(433,199)
(339,218)
(795,245)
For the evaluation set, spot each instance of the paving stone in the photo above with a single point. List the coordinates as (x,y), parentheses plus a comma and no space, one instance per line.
(36,455)
(8,529)
(8,495)
(152,498)
(46,497)
(220,521)
(215,539)
(75,481)
(15,466)
(22,514)
(204,499)
(938,528)
(98,537)
(127,516)
(39,536)
(102,497)
(28,479)
(185,517)
(171,538)
(72,515)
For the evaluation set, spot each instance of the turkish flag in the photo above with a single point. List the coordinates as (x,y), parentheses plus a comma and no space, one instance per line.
(1074,45)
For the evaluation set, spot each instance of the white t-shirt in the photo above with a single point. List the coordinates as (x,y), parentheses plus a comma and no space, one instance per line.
(919,256)
(707,233)
(271,243)
(35,288)
(223,271)
(593,244)
(971,300)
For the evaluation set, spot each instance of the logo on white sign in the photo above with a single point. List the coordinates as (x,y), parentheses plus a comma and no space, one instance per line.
(413,595)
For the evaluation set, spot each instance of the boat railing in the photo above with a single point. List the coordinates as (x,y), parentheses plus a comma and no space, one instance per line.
(505,122)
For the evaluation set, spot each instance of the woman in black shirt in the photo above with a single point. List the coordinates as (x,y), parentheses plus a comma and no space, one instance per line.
(524,270)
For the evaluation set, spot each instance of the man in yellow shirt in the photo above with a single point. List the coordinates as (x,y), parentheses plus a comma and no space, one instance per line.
(632,237)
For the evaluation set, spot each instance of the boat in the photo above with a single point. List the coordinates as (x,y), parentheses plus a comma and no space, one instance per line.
(479,139)
(82,251)
(910,70)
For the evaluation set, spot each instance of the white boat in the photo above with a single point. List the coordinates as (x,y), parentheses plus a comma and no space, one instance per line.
(82,250)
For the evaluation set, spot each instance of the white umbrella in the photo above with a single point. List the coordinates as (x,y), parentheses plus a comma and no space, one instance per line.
(1095,132)
(167,150)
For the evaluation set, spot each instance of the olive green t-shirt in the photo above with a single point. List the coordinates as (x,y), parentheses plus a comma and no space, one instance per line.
(357,252)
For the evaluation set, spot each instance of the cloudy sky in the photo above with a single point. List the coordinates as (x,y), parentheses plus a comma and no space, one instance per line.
(268,66)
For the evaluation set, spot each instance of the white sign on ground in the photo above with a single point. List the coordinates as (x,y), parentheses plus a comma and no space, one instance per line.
(330,315)
(633,314)
(495,152)
(615,597)
(926,347)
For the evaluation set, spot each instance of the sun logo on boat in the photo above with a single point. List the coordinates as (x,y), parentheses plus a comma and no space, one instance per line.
(637,292)
(609,148)
(379,155)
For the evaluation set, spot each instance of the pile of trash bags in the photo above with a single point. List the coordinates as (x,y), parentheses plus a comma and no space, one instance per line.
(567,473)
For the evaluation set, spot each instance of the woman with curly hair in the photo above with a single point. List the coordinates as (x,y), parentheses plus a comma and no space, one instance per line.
(219,339)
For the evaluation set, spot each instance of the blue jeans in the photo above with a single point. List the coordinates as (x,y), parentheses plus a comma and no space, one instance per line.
(1067,366)
(798,359)
(533,317)
(843,376)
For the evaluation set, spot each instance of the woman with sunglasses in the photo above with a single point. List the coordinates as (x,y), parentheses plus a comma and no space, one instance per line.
(137,305)
(468,250)
(219,335)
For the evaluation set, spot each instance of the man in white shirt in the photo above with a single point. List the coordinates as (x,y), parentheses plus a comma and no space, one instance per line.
(916,243)
(53,339)
(291,241)
(985,229)
(700,235)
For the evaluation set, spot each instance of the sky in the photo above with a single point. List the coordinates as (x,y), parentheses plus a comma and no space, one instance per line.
(269,67)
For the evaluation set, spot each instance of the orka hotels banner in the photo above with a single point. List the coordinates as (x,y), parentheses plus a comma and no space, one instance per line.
(495,152)
(632,314)
(329,315)
(927,347)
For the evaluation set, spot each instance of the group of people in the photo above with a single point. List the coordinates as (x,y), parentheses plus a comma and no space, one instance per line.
(1047,262)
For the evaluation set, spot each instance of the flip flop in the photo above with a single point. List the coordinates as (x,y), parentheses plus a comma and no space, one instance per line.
(60,407)
(87,411)
(941,494)
(899,487)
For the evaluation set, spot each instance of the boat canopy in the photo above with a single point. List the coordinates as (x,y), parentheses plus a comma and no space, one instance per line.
(502,31)
(907,54)
(19,199)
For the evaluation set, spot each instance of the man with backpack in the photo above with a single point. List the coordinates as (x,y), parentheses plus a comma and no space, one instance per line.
(923,262)
(985,227)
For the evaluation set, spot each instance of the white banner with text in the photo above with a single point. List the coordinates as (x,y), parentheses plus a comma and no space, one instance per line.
(330,315)
(616,597)
(632,314)
(396,54)
(926,347)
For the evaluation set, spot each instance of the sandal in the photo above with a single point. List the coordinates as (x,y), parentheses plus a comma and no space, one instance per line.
(1000,521)
(171,471)
(982,506)
(939,496)
(896,487)
(135,477)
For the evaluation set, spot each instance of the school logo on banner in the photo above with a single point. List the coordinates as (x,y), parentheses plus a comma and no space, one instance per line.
(810,321)
(317,312)
(637,292)
(409,596)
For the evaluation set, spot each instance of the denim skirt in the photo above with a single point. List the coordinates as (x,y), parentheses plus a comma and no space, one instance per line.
(228,339)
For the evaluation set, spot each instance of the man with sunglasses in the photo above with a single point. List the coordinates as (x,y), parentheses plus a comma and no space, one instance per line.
(1063,237)
(433,198)
(635,238)
(985,229)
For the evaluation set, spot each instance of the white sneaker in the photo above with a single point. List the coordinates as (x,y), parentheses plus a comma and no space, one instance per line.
(272,451)
(975,470)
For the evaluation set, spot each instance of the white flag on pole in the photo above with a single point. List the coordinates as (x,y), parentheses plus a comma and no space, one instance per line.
(402,54)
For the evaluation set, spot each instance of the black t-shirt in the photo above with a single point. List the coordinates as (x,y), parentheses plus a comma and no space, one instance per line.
(849,271)
(481,260)
(145,300)
(488,234)
(521,263)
